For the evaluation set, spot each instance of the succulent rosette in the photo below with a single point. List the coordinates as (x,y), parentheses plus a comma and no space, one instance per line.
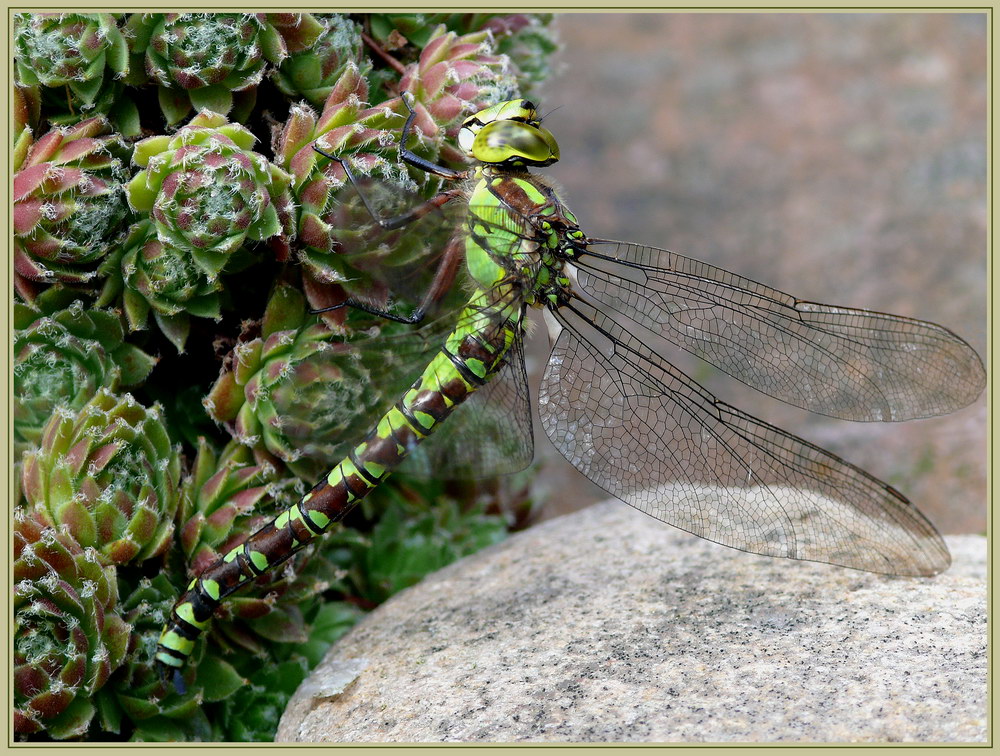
(227,494)
(69,203)
(455,76)
(145,275)
(68,636)
(109,474)
(64,353)
(345,128)
(296,394)
(80,59)
(208,192)
(207,61)
(312,72)
(342,250)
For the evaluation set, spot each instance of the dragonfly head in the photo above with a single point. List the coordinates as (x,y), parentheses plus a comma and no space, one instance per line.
(508,134)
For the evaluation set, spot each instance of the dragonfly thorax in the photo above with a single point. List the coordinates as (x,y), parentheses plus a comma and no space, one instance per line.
(508,134)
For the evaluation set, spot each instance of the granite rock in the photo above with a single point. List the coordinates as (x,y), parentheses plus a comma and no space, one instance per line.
(605,625)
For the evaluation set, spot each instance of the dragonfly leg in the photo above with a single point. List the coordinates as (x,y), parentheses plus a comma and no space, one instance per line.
(414,159)
(396,221)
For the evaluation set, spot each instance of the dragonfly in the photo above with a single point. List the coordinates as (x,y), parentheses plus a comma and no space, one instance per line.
(611,401)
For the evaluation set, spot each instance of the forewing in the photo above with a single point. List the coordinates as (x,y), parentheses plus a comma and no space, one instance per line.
(652,437)
(839,361)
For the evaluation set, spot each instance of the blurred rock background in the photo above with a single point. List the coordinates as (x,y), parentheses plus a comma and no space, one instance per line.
(840,158)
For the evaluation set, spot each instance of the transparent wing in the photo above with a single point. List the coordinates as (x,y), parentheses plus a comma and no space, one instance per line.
(489,434)
(388,268)
(341,391)
(838,361)
(335,393)
(652,437)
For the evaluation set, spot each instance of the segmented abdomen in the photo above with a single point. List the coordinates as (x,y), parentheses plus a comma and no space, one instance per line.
(471,356)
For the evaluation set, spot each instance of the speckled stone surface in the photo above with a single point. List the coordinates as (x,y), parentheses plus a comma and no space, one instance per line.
(605,625)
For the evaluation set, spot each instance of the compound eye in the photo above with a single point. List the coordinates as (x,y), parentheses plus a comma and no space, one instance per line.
(501,141)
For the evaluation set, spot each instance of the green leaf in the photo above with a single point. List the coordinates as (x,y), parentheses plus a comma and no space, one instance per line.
(136,365)
(285,310)
(125,116)
(148,148)
(25,75)
(109,712)
(117,53)
(140,195)
(21,147)
(175,105)
(225,397)
(216,98)
(210,261)
(174,327)
(281,624)
(206,306)
(73,721)
(218,679)
(87,90)
(267,226)
(136,309)
(140,27)
(138,708)
(272,45)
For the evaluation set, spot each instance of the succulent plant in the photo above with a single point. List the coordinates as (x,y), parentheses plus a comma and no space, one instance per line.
(222,499)
(68,636)
(526,38)
(140,223)
(314,71)
(455,76)
(64,353)
(208,192)
(408,544)
(80,60)
(208,61)
(337,241)
(108,473)
(145,275)
(293,394)
(69,204)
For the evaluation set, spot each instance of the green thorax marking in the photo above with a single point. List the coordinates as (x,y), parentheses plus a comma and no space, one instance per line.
(517,224)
